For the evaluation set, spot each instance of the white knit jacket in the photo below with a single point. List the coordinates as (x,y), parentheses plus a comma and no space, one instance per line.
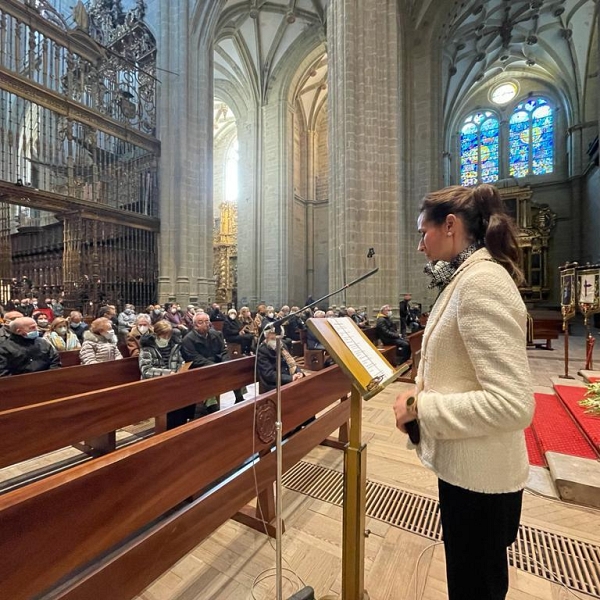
(474,385)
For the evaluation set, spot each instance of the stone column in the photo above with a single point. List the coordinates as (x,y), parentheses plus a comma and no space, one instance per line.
(421,147)
(185,129)
(363,133)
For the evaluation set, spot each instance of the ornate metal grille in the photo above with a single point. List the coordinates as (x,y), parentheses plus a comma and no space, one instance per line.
(78,156)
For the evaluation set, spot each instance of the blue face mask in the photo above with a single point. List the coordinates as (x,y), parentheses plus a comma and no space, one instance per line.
(31,335)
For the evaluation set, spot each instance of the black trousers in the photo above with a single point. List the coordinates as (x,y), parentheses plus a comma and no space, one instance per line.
(477,530)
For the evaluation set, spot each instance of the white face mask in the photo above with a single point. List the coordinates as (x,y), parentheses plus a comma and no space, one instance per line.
(272,344)
(270,315)
(162,343)
(390,313)
(110,336)
(173,310)
(143,329)
(61,330)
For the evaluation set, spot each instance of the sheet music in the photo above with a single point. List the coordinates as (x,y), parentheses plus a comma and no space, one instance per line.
(370,358)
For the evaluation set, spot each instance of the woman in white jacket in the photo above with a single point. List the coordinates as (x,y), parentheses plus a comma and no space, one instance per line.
(473,395)
(99,343)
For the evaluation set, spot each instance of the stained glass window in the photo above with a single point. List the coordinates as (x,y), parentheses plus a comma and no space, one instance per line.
(479,146)
(531,138)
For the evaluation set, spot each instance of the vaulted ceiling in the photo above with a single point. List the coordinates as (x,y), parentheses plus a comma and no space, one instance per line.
(254,36)
(549,40)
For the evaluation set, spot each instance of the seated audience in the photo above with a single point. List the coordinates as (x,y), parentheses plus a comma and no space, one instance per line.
(41,321)
(99,343)
(387,332)
(234,332)
(360,320)
(60,336)
(261,313)
(409,321)
(160,355)
(24,351)
(269,317)
(9,317)
(293,325)
(267,363)
(57,307)
(44,306)
(141,328)
(188,317)
(312,342)
(248,324)
(126,320)
(204,346)
(215,313)
(174,316)
(157,313)
(77,325)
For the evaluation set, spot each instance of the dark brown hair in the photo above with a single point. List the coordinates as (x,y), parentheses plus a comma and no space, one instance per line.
(482,211)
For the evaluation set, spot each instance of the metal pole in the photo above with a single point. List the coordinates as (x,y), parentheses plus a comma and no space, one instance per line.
(279,481)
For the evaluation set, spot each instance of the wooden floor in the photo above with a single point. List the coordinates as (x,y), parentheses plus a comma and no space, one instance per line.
(227,564)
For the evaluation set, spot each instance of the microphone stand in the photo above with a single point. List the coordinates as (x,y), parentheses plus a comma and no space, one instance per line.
(306,593)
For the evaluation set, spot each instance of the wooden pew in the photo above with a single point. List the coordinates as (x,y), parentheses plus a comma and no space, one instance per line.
(69,358)
(67,420)
(547,325)
(35,388)
(109,527)
(388,351)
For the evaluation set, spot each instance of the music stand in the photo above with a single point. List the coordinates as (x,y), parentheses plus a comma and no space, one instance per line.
(370,373)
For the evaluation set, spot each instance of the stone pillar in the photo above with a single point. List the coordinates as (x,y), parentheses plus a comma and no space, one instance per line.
(421,147)
(185,129)
(364,150)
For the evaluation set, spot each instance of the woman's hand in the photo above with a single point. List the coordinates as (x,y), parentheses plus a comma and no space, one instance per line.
(402,415)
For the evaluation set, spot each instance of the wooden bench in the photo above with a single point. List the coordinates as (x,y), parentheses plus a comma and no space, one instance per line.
(70,358)
(107,528)
(35,388)
(547,325)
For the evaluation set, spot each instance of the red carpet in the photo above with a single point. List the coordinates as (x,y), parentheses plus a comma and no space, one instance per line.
(590,425)
(536,458)
(594,379)
(555,430)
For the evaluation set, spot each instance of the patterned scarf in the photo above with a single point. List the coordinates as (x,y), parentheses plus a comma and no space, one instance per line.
(442,272)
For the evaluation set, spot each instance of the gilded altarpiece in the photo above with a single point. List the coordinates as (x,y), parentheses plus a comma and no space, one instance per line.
(535,223)
(225,258)
(78,153)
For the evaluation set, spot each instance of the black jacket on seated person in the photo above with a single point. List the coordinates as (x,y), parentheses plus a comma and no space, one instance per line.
(204,351)
(267,368)
(19,355)
(387,331)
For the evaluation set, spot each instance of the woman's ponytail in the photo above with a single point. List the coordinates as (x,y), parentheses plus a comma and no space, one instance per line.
(499,230)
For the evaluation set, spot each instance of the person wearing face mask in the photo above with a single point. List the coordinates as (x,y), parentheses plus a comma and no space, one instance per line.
(156,314)
(188,317)
(126,320)
(269,317)
(266,357)
(42,322)
(60,336)
(99,343)
(204,346)
(77,325)
(141,328)
(215,313)
(160,354)
(174,316)
(261,313)
(9,317)
(233,332)
(25,351)
(387,332)
(44,308)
